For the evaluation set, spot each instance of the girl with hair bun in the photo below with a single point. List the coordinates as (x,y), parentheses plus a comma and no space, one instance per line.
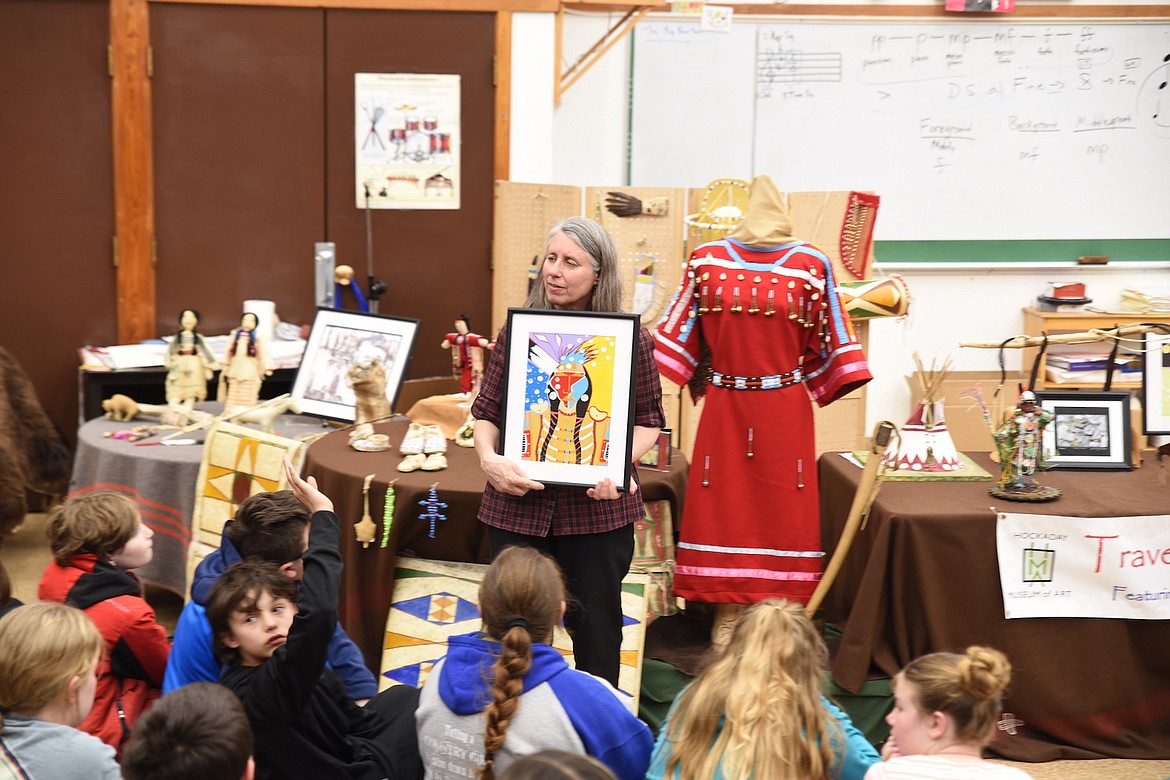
(49,655)
(945,709)
(506,692)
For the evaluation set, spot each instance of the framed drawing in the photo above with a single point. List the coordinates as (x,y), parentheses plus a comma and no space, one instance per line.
(341,340)
(1156,384)
(1089,430)
(569,395)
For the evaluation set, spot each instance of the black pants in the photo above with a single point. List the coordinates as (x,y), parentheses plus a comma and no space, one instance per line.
(594,565)
(397,746)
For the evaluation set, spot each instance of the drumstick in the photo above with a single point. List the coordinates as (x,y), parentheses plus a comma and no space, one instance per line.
(862,500)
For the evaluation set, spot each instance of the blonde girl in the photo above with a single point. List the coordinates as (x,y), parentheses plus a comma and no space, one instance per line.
(506,692)
(757,710)
(48,671)
(945,709)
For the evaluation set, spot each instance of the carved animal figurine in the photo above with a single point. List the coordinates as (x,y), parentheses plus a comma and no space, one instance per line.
(33,455)
(121,408)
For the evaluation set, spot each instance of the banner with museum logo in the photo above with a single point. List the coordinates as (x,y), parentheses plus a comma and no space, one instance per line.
(1099,567)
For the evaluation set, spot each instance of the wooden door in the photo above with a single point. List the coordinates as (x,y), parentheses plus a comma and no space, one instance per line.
(56,193)
(239,134)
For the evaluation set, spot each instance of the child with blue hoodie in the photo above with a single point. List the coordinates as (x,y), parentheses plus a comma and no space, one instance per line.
(506,692)
(272,528)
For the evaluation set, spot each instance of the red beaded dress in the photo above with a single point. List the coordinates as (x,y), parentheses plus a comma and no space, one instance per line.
(756,331)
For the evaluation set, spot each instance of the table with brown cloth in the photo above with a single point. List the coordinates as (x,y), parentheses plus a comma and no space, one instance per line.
(368,582)
(923,577)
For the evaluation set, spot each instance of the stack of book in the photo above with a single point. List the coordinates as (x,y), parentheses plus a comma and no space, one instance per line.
(1089,368)
(1145,300)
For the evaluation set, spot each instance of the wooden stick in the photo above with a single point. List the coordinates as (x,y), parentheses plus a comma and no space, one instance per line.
(226,417)
(862,500)
(1083,337)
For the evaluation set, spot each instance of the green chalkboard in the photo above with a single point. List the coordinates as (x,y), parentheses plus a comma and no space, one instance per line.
(1052,251)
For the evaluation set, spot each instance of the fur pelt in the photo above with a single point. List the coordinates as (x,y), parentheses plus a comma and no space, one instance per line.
(33,454)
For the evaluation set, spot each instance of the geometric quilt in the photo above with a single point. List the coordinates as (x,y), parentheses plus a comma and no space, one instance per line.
(434,600)
(238,462)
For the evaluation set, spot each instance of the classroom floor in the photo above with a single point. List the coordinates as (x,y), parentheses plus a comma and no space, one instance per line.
(26,553)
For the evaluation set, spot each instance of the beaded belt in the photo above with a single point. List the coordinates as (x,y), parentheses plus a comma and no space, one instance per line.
(772,382)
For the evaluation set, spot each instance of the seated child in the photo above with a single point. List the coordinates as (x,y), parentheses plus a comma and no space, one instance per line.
(510,691)
(49,656)
(270,527)
(98,539)
(198,732)
(945,709)
(273,642)
(757,710)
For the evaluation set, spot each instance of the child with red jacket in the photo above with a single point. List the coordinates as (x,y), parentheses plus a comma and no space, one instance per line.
(97,540)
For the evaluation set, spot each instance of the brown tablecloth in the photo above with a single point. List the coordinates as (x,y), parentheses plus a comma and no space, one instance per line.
(923,577)
(368,582)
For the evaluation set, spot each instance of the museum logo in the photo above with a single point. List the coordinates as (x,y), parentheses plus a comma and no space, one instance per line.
(1039,564)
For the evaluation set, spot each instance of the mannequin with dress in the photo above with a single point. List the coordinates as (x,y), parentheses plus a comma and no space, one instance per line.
(758,330)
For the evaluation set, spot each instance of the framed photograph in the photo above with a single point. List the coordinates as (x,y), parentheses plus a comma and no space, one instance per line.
(1089,430)
(1156,384)
(569,395)
(341,340)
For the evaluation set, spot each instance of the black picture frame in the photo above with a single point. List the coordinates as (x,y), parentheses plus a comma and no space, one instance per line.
(1156,384)
(588,359)
(338,340)
(1089,430)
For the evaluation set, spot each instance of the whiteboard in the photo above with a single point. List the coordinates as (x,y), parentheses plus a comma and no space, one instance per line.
(968,131)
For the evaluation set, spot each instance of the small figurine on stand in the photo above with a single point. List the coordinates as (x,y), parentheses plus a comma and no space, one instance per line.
(368,381)
(189,363)
(466,355)
(347,294)
(245,364)
(466,366)
(1020,452)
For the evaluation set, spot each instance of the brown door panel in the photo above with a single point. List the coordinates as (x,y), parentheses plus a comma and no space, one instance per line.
(239,171)
(56,193)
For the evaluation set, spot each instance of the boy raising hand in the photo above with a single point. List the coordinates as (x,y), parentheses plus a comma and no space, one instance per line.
(275,643)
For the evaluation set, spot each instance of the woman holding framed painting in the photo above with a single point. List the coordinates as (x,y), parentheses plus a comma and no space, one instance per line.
(564,412)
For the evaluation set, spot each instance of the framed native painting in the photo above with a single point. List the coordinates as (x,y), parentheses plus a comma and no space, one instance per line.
(346,347)
(1089,430)
(569,396)
(1156,384)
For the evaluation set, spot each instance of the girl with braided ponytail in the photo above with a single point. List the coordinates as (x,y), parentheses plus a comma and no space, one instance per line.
(506,692)
(945,709)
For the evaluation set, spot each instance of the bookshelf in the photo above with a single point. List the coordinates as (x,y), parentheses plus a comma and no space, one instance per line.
(1037,323)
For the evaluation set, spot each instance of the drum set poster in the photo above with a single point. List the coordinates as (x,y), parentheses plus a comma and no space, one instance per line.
(406,140)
